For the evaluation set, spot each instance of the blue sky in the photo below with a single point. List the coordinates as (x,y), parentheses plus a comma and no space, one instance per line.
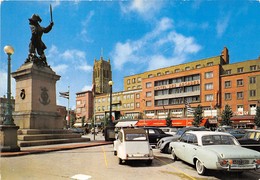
(135,35)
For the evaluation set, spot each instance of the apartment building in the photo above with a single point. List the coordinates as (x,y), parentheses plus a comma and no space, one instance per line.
(211,83)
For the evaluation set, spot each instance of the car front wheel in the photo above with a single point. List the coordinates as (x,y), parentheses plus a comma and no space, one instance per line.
(174,157)
(200,167)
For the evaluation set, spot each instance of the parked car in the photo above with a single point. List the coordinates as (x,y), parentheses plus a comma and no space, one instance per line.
(163,143)
(169,130)
(155,134)
(81,131)
(214,150)
(237,133)
(251,139)
(133,144)
(224,128)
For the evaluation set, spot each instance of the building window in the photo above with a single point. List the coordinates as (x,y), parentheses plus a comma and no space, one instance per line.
(239,95)
(150,75)
(240,82)
(227,96)
(158,74)
(138,105)
(253,68)
(228,71)
(187,68)
(128,81)
(198,66)
(177,70)
(137,96)
(227,84)
(148,103)
(209,86)
(240,70)
(208,75)
(148,94)
(210,64)
(167,72)
(148,84)
(133,87)
(133,80)
(209,97)
(252,80)
(252,93)
(129,88)
(78,102)
(139,87)
(139,79)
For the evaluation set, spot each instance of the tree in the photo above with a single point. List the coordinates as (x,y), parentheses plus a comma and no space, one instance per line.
(168,121)
(226,116)
(83,121)
(197,114)
(257,116)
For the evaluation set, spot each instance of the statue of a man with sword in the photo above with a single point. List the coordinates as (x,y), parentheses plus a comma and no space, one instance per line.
(36,44)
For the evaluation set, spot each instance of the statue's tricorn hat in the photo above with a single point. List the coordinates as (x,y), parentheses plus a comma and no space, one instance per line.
(35,18)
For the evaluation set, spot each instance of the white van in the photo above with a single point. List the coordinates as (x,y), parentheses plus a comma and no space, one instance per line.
(133,144)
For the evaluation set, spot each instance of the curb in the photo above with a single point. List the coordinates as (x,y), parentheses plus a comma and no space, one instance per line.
(61,147)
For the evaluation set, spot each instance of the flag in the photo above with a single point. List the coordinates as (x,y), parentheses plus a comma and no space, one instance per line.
(65,94)
(188,107)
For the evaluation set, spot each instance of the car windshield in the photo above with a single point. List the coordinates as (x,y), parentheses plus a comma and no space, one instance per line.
(180,132)
(135,137)
(218,140)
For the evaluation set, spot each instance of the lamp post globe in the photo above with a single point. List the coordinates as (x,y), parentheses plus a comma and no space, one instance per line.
(8,120)
(9,50)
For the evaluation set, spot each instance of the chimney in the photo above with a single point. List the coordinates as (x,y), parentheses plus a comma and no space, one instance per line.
(225,55)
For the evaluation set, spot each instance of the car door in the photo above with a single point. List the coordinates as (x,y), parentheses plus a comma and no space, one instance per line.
(190,148)
(180,147)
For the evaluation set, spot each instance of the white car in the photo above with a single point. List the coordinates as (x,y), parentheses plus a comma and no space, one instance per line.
(133,144)
(214,150)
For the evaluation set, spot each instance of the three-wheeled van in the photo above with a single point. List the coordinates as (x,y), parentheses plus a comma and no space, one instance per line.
(133,144)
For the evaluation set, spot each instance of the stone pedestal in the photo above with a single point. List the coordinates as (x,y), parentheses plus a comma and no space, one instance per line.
(35,101)
(8,138)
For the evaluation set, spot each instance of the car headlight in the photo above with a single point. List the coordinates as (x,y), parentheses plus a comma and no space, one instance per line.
(224,162)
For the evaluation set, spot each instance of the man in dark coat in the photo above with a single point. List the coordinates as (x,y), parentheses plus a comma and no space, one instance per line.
(36,39)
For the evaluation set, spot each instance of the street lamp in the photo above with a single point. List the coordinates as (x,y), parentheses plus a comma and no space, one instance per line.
(110,83)
(9,50)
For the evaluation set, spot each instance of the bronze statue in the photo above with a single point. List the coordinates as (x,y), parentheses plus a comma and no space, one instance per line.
(36,43)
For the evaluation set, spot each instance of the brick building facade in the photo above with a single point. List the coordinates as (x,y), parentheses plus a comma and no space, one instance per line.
(211,83)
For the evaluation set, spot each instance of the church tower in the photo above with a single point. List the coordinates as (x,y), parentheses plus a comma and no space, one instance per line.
(102,74)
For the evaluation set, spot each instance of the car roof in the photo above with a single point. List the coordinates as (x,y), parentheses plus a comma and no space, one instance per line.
(252,130)
(202,133)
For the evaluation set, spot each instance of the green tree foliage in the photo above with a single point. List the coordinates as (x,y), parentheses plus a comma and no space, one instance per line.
(226,116)
(168,121)
(257,116)
(197,116)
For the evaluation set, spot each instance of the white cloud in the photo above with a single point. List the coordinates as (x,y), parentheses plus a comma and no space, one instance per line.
(87,88)
(60,69)
(83,35)
(163,44)
(222,25)
(144,8)
(70,58)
